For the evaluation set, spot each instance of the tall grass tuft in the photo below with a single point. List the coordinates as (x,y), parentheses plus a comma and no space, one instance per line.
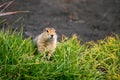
(71,60)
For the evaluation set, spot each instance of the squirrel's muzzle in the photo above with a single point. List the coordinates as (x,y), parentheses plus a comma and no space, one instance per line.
(52,36)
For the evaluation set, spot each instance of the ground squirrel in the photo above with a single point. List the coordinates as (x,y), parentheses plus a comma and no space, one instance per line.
(46,41)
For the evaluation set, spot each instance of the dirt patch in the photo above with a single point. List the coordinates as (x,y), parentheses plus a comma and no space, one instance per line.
(90,19)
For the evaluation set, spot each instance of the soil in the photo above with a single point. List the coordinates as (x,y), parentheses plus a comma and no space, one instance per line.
(89,19)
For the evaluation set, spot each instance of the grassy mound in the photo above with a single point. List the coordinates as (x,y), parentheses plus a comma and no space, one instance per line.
(71,60)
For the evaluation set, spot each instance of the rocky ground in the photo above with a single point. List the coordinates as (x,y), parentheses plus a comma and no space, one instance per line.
(90,19)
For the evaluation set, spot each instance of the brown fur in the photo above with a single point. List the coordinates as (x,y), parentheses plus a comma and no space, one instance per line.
(46,43)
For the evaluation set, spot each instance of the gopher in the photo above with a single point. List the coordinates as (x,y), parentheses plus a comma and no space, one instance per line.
(46,41)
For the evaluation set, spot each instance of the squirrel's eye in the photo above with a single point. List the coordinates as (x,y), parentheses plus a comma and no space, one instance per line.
(46,30)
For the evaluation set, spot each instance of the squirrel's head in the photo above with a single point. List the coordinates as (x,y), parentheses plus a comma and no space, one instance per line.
(49,34)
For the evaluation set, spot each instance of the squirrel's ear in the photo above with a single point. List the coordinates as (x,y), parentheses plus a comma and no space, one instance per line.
(46,29)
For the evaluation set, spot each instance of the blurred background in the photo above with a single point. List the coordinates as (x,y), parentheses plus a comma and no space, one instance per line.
(89,19)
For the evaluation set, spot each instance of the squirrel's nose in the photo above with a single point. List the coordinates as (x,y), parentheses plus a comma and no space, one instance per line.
(51,36)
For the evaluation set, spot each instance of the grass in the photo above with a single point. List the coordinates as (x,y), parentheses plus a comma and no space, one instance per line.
(71,61)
